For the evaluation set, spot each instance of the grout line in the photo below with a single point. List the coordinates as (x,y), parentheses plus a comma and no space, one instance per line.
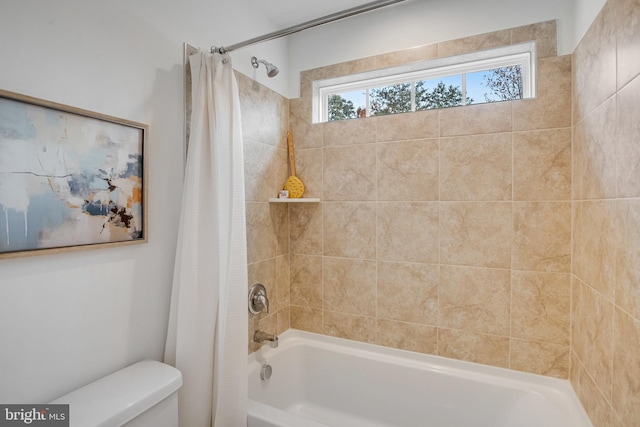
(511,236)
(322,245)
(377,218)
(438,343)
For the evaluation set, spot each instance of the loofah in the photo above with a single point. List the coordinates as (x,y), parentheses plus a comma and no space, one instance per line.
(295,187)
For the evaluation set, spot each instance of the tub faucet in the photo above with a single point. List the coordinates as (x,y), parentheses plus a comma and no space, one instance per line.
(258,300)
(263,301)
(266,339)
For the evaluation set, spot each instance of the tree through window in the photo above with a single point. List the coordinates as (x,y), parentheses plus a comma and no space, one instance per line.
(466,83)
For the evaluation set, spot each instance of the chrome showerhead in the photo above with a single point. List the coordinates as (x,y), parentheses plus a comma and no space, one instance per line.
(272,70)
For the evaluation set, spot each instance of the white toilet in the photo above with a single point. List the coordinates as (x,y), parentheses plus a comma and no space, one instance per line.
(141,395)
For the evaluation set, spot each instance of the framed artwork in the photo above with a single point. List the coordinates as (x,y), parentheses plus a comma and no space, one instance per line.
(69,178)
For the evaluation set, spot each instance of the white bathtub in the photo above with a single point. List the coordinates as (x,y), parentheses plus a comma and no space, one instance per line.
(321,381)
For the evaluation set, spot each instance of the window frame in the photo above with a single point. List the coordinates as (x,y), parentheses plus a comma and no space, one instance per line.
(522,54)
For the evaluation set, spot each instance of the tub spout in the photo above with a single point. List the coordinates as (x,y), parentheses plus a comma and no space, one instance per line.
(266,339)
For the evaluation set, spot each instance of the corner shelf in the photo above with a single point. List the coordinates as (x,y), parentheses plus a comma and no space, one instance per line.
(292,200)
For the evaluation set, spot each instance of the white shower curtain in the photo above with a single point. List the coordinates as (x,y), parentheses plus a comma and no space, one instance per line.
(207,336)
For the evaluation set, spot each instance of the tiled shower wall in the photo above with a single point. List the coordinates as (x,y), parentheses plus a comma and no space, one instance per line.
(265,120)
(446,231)
(605,356)
(449,232)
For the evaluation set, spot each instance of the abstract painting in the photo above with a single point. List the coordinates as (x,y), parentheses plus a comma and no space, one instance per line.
(69,178)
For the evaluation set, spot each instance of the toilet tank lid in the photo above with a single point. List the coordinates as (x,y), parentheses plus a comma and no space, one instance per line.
(121,396)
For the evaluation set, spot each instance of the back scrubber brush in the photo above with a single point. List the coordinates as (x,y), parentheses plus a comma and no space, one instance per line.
(294,186)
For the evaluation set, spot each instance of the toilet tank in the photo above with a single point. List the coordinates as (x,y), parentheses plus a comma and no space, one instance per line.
(140,395)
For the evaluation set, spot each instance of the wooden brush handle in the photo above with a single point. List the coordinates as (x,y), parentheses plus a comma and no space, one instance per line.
(292,161)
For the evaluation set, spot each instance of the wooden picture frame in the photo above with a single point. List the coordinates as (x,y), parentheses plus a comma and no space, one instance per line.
(70,179)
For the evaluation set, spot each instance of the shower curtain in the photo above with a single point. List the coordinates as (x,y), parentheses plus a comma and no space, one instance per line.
(207,336)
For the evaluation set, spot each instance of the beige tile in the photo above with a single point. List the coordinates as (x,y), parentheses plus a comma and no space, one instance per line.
(306,319)
(541,236)
(341,69)
(540,358)
(573,368)
(575,305)
(349,173)
(494,117)
(309,170)
(306,281)
(545,33)
(407,292)
(476,167)
(349,326)
(540,307)
(594,154)
(314,74)
(280,216)
(626,368)
(282,320)
(349,132)
(408,170)
(265,113)
(305,133)
(407,231)
(472,347)
(349,229)
(474,299)
(475,234)
(261,233)
(406,56)
(552,106)
(627,288)
(261,165)
(281,173)
(595,64)
(349,286)
(616,420)
(597,407)
(305,85)
(542,165)
(399,127)
(474,43)
(593,342)
(264,272)
(594,244)
(305,230)
(628,135)
(627,15)
(407,336)
(283,281)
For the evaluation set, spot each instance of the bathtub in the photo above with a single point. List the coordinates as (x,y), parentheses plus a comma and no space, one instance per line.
(321,381)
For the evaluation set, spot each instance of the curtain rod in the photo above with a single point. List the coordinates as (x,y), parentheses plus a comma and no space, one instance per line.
(309,24)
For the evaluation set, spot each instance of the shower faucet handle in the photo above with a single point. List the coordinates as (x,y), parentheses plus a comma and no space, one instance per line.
(258,300)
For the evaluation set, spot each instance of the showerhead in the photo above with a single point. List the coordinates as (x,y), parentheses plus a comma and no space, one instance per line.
(272,70)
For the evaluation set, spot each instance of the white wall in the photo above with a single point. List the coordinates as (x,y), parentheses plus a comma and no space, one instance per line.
(422,22)
(585,13)
(68,319)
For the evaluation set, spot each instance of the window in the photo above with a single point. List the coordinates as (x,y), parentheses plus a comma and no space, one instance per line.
(487,76)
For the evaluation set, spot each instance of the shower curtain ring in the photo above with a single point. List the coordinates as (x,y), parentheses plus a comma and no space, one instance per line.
(220,50)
